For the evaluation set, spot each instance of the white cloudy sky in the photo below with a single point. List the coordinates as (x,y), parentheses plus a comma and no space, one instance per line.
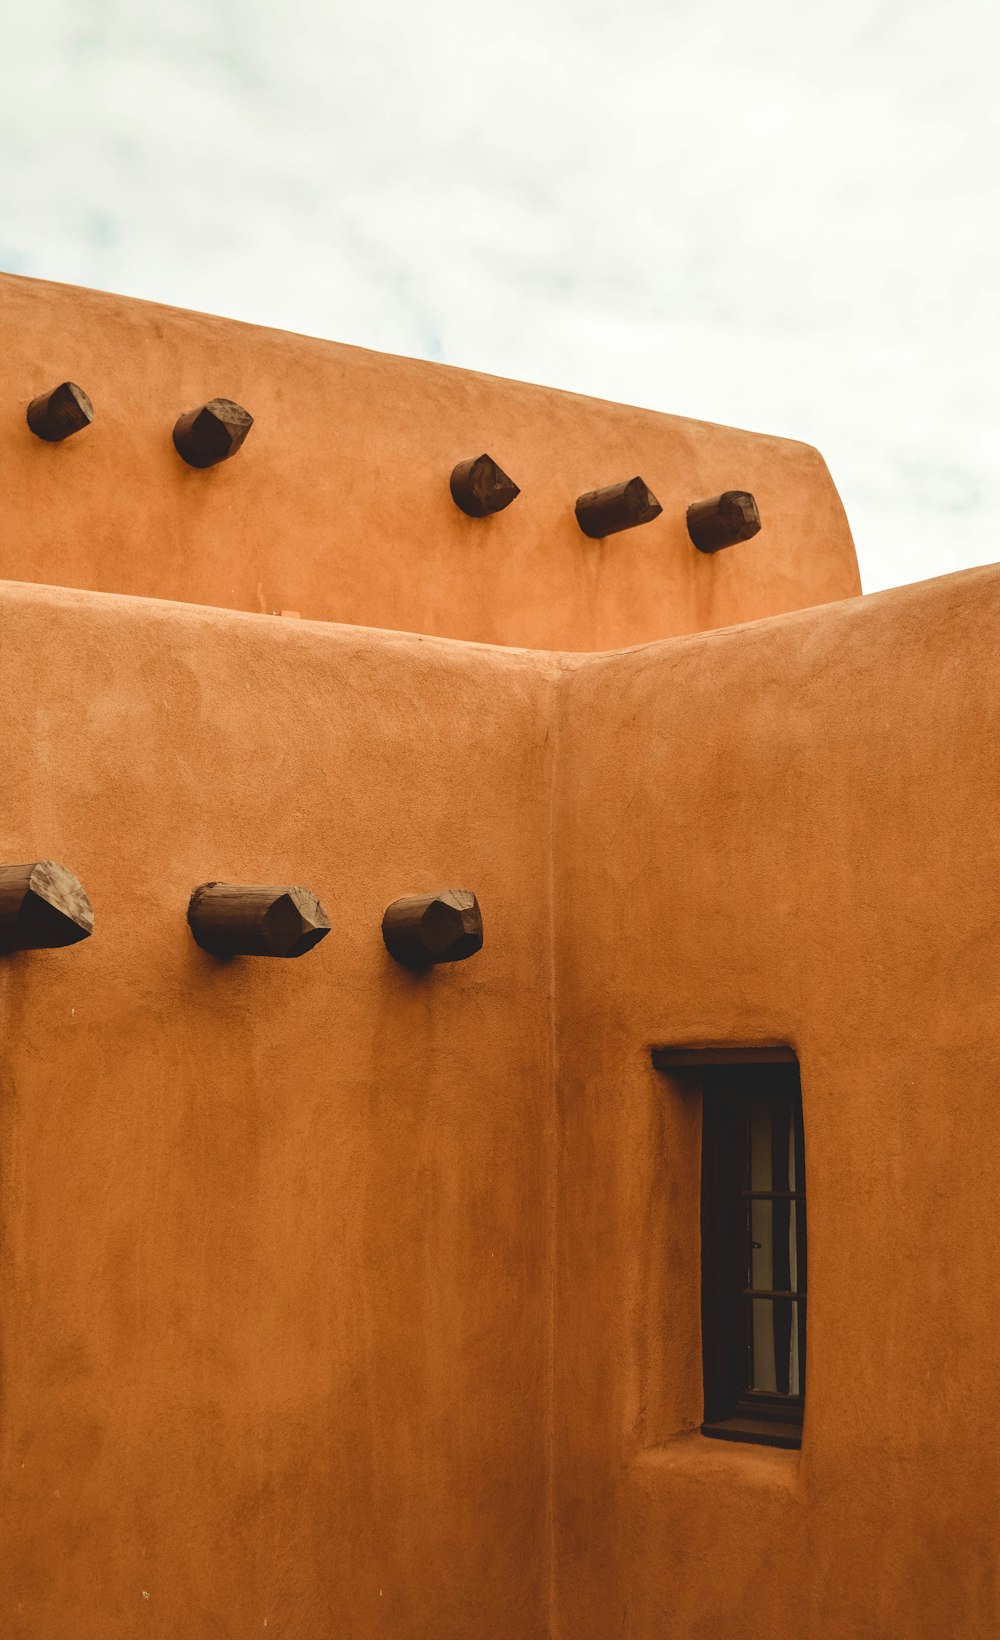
(782,215)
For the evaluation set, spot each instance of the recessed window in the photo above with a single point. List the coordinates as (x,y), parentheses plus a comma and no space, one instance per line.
(753,1244)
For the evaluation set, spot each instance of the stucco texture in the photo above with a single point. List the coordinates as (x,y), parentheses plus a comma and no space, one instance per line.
(338,505)
(785,833)
(343,1303)
(274,1290)
(281,1242)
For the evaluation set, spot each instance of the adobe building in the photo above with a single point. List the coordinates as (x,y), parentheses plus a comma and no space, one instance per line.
(371,1295)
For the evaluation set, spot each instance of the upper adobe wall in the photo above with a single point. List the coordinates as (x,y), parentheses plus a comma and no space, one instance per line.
(338,506)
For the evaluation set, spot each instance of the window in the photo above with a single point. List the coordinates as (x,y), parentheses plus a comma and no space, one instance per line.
(753,1243)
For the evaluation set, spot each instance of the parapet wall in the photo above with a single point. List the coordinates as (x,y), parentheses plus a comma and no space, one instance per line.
(338,508)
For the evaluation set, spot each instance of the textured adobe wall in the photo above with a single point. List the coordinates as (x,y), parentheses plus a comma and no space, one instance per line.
(785,833)
(338,504)
(275,1239)
(279,1346)
(274,1287)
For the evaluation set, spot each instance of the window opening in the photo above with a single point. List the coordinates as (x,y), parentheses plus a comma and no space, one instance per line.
(753,1242)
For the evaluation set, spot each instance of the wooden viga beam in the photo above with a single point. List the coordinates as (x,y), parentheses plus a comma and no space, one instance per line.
(211,433)
(480,487)
(42,907)
(723,520)
(618,507)
(421,930)
(251,920)
(61,411)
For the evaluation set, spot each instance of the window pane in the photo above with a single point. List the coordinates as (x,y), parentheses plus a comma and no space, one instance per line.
(774,1346)
(761,1118)
(771,1144)
(753,1244)
(773,1262)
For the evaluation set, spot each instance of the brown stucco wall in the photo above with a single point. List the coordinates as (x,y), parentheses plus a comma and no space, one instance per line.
(338,505)
(274,1290)
(278,1239)
(785,833)
(338,1302)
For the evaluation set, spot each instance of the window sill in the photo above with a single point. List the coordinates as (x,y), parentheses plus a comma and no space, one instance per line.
(756,1432)
(689,1459)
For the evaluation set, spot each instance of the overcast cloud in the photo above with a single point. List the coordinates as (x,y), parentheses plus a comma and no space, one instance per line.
(780,215)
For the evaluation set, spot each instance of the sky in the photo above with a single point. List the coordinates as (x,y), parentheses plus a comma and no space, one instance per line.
(783,216)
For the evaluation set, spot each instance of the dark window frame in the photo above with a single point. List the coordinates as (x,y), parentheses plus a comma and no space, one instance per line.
(729,1080)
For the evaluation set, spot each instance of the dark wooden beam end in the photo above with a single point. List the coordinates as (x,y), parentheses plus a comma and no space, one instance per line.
(42,907)
(56,415)
(212,433)
(480,487)
(723,521)
(619,507)
(423,929)
(246,920)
